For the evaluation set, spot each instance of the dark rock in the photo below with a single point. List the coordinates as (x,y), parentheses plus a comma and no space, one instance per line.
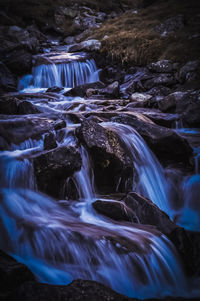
(9,105)
(17,129)
(164,79)
(187,104)
(81,90)
(12,275)
(13,106)
(168,103)
(189,72)
(59,124)
(159,91)
(170,25)
(165,143)
(26,107)
(49,141)
(111,90)
(147,212)
(78,290)
(8,82)
(53,167)
(116,210)
(89,45)
(19,61)
(110,157)
(164,66)
(54,89)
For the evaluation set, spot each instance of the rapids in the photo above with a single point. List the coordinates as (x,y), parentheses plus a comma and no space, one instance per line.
(61,240)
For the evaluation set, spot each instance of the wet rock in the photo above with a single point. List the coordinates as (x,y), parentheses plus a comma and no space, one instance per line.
(53,167)
(78,290)
(24,38)
(170,25)
(186,104)
(109,156)
(13,106)
(16,129)
(165,79)
(26,107)
(159,91)
(165,143)
(168,103)
(89,45)
(19,61)
(69,40)
(164,66)
(138,97)
(8,82)
(81,90)
(59,124)
(111,90)
(189,72)
(147,212)
(116,210)
(12,275)
(49,141)
(54,89)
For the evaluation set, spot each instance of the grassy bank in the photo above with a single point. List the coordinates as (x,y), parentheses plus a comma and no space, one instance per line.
(132,36)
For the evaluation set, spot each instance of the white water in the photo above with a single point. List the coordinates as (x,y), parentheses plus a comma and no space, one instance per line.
(60,243)
(66,75)
(152,182)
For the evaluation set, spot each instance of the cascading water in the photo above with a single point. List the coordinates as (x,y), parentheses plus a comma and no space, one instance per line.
(62,241)
(152,182)
(66,75)
(60,244)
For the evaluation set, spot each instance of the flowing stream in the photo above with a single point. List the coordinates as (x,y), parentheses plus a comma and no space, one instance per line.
(61,240)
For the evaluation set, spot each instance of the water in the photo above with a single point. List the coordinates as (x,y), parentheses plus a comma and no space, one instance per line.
(60,243)
(152,182)
(66,75)
(64,240)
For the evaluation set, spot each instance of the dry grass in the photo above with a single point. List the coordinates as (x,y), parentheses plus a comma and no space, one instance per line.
(132,38)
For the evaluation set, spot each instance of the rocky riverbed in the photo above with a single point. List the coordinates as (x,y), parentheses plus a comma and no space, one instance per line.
(99,150)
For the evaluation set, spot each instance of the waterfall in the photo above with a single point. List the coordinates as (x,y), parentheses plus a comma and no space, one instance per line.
(60,243)
(66,75)
(152,182)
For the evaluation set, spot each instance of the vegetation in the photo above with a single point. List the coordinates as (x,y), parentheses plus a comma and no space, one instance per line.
(132,36)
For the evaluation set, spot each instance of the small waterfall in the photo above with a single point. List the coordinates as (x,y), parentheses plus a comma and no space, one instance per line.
(152,182)
(61,243)
(85,178)
(58,248)
(66,75)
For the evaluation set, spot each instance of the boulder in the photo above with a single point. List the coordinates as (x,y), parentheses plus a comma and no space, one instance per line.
(8,82)
(111,90)
(49,141)
(16,129)
(89,45)
(168,103)
(12,275)
(163,66)
(19,61)
(81,90)
(138,97)
(164,79)
(77,290)
(109,156)
(189,72)
(54,89)
(164,142)
(53,167)
(116,210)
(13,106)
